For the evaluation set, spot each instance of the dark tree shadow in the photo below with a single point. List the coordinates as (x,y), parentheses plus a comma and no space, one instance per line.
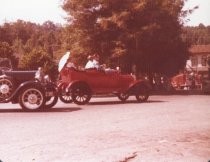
(120,102)
(52,110)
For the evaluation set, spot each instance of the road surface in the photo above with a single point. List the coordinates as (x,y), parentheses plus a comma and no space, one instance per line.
(165,129)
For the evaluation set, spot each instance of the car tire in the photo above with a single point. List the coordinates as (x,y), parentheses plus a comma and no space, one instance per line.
(65,98)
(123,96)
(142,94)
(80,94)
(50,102)
(32,98)
(6,88)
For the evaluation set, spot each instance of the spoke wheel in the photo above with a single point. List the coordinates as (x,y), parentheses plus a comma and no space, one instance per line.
(142,94)
(32,99)
(81,94)
(123,96)
(65,98)
(6,88)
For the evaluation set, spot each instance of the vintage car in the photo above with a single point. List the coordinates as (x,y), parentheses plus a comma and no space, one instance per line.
(186,81)
(32,90)
(80,85)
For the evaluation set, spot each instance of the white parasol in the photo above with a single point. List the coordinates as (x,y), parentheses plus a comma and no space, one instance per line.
(63,61)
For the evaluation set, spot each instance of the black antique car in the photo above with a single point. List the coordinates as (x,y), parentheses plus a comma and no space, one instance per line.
(31,89)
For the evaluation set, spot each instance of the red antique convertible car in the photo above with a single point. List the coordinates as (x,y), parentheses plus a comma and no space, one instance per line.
(80,85)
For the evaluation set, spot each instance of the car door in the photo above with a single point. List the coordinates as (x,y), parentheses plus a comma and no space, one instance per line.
(102,82)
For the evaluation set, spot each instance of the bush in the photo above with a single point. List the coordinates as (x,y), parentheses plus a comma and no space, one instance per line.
(39,58)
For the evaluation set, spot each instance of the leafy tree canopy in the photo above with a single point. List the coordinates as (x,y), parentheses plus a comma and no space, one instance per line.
(197,35)
(7,52)
(144,33)
(39,58)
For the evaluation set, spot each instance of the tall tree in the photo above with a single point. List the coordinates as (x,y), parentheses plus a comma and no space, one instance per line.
(23,37)
(6,51)
(198,35)
(39,58)
(144,33)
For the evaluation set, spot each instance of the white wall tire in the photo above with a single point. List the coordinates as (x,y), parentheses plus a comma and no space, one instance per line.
(32,99)
(51,101)
(6,88)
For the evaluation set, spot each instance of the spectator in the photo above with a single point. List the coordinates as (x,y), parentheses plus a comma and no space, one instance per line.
(93,62)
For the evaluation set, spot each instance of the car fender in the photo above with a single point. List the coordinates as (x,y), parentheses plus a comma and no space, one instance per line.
(139,83)
(22,86)
(61,85)
(77,82)
(4,76)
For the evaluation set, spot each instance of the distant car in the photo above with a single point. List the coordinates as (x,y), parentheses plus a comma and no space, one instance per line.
(81,85)
(22,87)
(186,81)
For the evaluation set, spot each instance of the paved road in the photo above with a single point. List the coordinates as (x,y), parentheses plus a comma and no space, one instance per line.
(165,129)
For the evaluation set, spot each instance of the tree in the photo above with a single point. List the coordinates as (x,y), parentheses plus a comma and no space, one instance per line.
(199,35)
(6,51)
(39,58)
(143,33)
(23,37)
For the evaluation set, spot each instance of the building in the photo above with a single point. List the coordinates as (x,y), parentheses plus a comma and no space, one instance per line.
(199,55)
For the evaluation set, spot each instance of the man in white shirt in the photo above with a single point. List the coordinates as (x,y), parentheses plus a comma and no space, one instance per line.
(96,61)
(90,64)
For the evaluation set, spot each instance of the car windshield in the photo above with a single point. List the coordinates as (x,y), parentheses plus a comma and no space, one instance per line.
(5,63)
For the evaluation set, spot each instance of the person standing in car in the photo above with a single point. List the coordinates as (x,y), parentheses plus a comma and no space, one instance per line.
(90,63)
(96,61)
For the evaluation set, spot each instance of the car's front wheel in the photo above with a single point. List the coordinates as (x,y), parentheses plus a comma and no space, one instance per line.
(32,99)
(123,96)
(81,94)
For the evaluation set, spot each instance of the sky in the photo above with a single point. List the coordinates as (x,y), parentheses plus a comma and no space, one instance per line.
(200,15)
(39,11)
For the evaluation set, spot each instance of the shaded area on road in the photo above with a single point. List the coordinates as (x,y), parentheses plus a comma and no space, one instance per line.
(166,128)
(44,111)
(120,102)
(180,92)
